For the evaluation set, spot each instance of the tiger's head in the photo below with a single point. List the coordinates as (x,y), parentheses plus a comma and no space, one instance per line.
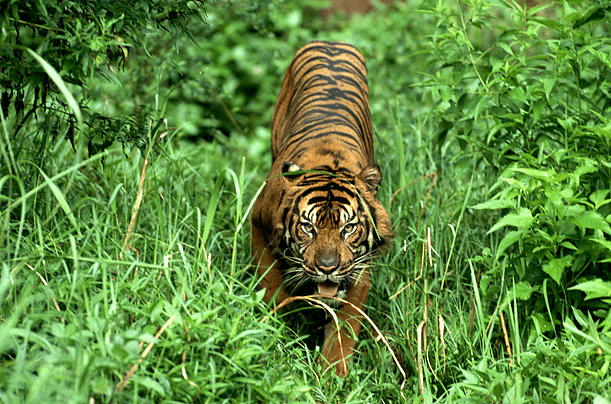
(331,227)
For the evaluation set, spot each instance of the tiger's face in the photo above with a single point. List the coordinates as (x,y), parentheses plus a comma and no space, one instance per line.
(329,235)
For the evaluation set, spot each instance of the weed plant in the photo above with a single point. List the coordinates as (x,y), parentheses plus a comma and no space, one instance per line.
(529,99)
(125,269)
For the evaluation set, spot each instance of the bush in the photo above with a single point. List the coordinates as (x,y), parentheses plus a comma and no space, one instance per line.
(532,100)
(50,52)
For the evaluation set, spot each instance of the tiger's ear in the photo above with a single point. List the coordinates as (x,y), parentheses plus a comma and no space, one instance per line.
(289,167)
(372,177)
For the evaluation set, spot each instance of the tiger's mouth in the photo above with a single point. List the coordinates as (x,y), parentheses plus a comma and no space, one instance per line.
(327,289)
(331,291)
(304,280)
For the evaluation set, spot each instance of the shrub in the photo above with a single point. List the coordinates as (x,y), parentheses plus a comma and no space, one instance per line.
(532,100)
(52,49)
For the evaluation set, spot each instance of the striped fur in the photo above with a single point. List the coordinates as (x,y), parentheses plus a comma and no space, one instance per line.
(316,224)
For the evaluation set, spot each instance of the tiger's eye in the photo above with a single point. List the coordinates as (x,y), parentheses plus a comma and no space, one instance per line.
(348,229)
(308,228)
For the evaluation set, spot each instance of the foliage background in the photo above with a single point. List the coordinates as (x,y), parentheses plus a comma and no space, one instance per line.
(135,136)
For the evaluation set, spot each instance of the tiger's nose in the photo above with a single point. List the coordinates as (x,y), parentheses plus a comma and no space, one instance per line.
(327,261)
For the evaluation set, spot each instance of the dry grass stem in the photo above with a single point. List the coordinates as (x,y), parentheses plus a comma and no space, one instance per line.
(429,246)
(138,203)
(506,336)
(135,211)
(442,332)
(419,332)
(184,359)
(314,299)
(131,372)
(426,247)
(426,259)
(44,281)
(434,175)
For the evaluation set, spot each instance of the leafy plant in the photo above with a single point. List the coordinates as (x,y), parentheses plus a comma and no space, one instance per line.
(52,49)
(533,103)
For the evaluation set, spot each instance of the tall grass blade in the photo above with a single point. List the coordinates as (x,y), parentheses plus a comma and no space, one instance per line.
(212,206)
(59,82)
(63,203)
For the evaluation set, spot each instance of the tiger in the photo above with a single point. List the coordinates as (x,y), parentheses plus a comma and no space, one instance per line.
(316,224)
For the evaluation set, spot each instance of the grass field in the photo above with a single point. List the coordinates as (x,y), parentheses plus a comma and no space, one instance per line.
(126,273)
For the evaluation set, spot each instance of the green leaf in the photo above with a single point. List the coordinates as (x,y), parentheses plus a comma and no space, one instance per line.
(508,240)
(593,13)
(541,323)
(548,86)
(604,243)
(538,174)
(521,290)
(550,23)
(586,166)
(599,198)
(555,267)
(484,100)
(591,220)
(569,245)
(505,47)
(522,220)
(594,289)
(495,204)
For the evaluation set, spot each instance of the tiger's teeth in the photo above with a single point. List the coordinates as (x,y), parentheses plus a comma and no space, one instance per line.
(327,289)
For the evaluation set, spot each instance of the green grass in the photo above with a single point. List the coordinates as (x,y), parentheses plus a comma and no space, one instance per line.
(98,304)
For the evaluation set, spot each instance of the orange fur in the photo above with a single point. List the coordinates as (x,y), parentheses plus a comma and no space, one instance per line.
(316,224)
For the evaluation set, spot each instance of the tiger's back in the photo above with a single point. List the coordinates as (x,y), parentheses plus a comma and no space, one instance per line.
(322,117)
(316,225)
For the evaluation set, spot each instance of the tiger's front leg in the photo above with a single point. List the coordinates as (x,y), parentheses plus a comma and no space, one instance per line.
(340,344)
(268,271)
